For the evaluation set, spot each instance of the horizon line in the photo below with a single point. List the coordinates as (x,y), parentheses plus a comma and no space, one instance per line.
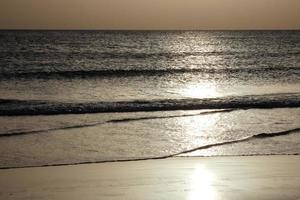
(53,29)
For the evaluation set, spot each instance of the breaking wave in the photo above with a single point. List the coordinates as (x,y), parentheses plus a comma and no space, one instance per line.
(145,72)
(35,107)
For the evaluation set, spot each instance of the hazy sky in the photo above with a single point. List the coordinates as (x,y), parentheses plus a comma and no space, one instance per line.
(150,14)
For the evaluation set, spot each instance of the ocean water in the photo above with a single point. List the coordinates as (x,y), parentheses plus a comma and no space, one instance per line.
(91,96)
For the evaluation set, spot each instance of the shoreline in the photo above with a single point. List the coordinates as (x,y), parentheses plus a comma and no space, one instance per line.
(172,156)
(231,177)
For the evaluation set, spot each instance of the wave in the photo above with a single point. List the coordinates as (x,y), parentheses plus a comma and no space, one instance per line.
(257,136)
(143,72)
(122,120)
(33,107)
(245,139)
(94,54)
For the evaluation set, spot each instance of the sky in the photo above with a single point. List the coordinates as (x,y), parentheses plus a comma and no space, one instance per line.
(150,14)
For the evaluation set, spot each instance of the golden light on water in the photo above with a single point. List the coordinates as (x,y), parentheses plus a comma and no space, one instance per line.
(202,184)
(193,131)
(205,90)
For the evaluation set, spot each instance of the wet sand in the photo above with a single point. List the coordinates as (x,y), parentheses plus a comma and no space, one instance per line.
(254,177)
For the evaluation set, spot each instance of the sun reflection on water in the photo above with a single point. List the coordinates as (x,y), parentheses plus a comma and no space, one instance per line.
(204,90)
(194,130)
(202,184)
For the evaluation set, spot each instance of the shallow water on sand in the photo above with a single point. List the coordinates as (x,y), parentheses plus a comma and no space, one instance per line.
(100,137)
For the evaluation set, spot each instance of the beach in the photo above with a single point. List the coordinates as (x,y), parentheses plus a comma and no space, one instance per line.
(243,177)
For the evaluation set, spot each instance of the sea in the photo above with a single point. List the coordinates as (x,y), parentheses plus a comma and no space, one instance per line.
(71,97)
